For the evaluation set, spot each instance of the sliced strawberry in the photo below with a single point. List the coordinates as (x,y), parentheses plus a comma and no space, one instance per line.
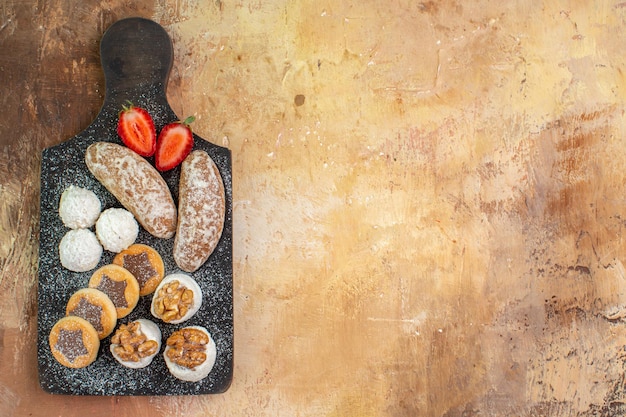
(136,128)
(174,144)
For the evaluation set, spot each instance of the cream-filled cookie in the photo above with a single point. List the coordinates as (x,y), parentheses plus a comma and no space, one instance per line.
(74,342)
(119,284)
(94,306)
(145,263)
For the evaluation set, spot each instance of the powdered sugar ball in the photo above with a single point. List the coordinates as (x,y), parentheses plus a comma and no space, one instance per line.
(117,229)
(80,250)
(79,208)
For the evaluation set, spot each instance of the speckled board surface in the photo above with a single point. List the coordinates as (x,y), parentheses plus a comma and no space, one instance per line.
(136,58)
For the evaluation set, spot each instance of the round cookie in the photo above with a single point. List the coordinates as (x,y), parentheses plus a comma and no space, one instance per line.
(190,353)
(176,299)
(80,250)
(116,229)
(145,264)
(79,208)
(94,306)
(135,344)
(74,342)
(119,284)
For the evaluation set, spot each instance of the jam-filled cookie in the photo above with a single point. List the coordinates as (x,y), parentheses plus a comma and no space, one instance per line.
(145,263)
(74,342)
(94,306)
(119,284)
(190,353)
(176,299)
(135,344)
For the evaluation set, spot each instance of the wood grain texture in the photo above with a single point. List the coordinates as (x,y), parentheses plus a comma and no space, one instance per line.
(428,199)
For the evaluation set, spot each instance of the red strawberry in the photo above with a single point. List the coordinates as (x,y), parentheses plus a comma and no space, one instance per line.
(136,128)
(174,144)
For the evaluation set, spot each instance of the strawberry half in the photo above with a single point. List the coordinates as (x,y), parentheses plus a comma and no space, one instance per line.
(136,128)
(174,144)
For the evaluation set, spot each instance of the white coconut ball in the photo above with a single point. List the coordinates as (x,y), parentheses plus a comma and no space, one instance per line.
(79,208)
(80,250)
(117,229)
(152,332)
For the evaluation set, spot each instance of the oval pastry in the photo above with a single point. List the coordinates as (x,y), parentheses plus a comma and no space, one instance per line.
(136,184)
(94,306)
(190,353)
(119,284)
(74,342)
(135,344)
(145,264)
(176,299)
(201,211)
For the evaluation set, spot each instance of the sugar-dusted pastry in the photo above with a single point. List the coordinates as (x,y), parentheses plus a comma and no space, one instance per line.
(80,250)
(201,211)
(74,342)
(136,184)
(190,353)
(94,306)
(79,208)
(135,344)
(176,299)
(116,229)
(145,263)
(119,284)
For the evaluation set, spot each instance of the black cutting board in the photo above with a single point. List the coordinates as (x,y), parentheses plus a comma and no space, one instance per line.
(136,57)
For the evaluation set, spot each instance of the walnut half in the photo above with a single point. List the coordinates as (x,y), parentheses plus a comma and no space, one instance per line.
(187,347)
(132,344)
(173,301)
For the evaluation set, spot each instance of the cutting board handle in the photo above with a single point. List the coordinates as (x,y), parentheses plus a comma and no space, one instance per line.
(135,53)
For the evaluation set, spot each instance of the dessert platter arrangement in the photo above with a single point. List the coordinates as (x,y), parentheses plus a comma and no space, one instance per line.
(135,255)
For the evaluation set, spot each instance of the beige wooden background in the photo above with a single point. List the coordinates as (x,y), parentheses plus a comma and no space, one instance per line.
(429,198)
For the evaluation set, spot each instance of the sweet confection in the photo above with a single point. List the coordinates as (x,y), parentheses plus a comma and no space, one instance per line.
(136,184)
(116,229)
(74,342)
(94,306)
(79,208)
(80,250)
(176,299)
(201,211)
(119,284)
(135,344)
(145,264)
(190,353)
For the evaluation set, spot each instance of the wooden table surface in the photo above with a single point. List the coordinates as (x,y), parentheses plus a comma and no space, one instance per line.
(429,199)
